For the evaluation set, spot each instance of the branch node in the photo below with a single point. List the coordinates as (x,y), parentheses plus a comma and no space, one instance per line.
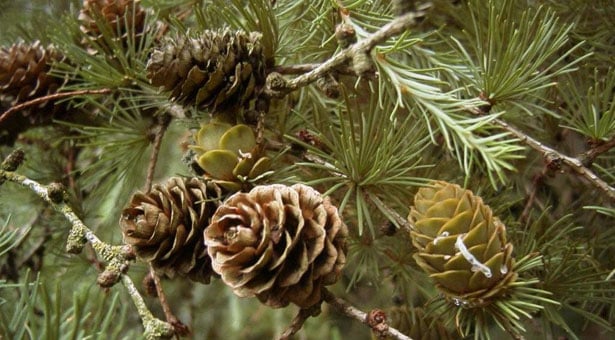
(75,241)
(156,329)
(345,35)
(276,86)
(377,320)
(57,193)
(108,278)
(362,63)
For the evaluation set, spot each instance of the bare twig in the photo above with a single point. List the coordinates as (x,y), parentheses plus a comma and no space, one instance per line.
(43,99)
(115,256)
(158,132)
(351,311)
(154,328)
(553,155)
(536,182)
(395,27)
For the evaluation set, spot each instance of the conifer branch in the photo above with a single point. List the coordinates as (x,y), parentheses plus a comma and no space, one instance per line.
(555,157)
(393,28)
(43,99)
(158,131)
(115,256)
(351,311)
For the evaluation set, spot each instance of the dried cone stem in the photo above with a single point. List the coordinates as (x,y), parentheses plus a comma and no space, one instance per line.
(281,244)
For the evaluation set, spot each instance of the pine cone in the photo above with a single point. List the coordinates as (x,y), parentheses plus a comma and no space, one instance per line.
(165,226)
(278,243)
(218,70)
(229,155)
(461,244)
(24,76)
(121,18)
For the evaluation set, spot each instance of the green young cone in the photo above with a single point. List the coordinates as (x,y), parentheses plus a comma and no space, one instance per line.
(460,244)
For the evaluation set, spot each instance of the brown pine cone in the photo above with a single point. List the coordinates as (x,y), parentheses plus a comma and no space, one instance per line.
(122,18)
(165,226)
(24,76)
(218,70)
(281,244)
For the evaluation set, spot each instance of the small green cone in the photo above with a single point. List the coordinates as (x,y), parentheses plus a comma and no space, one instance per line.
(229,154)
(460,244)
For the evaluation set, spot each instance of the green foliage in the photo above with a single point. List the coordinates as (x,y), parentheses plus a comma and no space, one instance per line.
(592,114)
(40,313)
(363,162)
(507,312)
(527,62)
(11,238)
(568,271)
(106,61)
(429,108)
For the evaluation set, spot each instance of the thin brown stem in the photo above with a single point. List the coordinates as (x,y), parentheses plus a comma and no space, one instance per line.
(93,258)
(158,132)
(351,311)
(588,157)
(43,99)
(536,183)
(179,327)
